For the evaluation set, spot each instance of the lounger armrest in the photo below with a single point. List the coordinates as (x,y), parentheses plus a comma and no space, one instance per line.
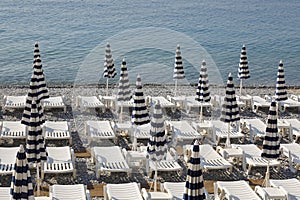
(173,152)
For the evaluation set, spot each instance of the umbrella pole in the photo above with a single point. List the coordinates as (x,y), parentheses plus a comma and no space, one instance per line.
(241,86)
(155,177)
(266,182)
(201,113)
(227,144)
(134,139)
(175,90)
(38,181)
(106,86)
(121,112)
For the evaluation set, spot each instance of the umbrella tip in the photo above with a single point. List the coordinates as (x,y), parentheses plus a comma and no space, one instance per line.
(203,62)
(107,44)
(36,44)
(178,46)
(280,62)
(244,45)
(124,60)
(229,75)
(21,147)
(196,142)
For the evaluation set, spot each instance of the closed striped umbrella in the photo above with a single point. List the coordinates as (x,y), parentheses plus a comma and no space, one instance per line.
(230,109)
(194,185)
(281,94)
(244,72)
(203,93)
(124,93)
(21,184)
(157,144)
(271,143)
(178,67)
(109,66)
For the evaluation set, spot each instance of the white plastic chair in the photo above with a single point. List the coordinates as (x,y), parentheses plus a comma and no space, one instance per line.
(69,192)
(190,103)
(295,127)
(7,159)
(57,130)
(13,130)
(176,190)
(257,128)
(99,130)
(55,102)
(89,102)
(220,131)
(14,102)
(124,191)
(292,152)
(5,193)
(163,102)
(289,186)
(295,97)
(259,102)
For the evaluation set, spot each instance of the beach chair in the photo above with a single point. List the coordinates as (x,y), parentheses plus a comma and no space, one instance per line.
(59,160)
(14,102)
(5,193)
(289,186)
(13,130)
(219,100)
(237,190)
(141,132)
(99,130)
(294,127)
(165,104)
(295,97)
(89,102)
(190,103)
(7,159)
(57,130)
(182,131)
(176,190)
(109,159)
(252,157)
(220,131)
(124,191)
(210,159)
(292,152)
(69,192)
(55,102)
(289,104)
(259,102)
(256,127)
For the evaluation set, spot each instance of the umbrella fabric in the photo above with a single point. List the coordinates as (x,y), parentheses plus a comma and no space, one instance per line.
(140,113)
(281,93)
(203,93)
(124,93)
(244,72)
(36,51)
(178,67)
(194,185)
(21,184)
(109,67)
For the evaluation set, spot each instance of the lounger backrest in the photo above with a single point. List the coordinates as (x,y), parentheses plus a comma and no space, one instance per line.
(13,126)
(59,154)
(290,186)
(109,154)
(8,154)
(294,148)
(5,193)
(250,150)
(66,192)
(102,126)
(124,191)
(207,152)
(176,189)
(257,124)
(55,125)
(295,123)
(182,126)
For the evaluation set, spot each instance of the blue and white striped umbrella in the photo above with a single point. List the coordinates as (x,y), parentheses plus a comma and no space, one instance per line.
(271,143)
(178,67)
(21,184)
(194,185)
(244,72)
(281,94)
(157,144)
(230,110)
(109,66)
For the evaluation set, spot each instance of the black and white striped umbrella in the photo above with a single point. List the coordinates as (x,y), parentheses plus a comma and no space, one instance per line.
(157,144)
(203,93)
(21,184)
(230,110)
(194,185)
(178,67)
(109,66)
(271,143)
(244,72)
(281,93)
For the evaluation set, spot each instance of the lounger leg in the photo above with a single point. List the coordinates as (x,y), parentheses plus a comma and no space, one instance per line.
(249,169)
(42,175)
(74,173)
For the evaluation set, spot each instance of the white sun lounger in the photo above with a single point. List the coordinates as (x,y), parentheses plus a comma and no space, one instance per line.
(99,130)
(292,152)
(69,192)
(289,104)
(89,102)
(191,104)
(14,102)
(141,132)
(55,102)
(252,157)
(220,131)
(109,159)
(57,130)
(13,130)
(235,190)
(257,128)
(163,102)
(124,191)
(219,100)
(182,131)
(295,97)
(289,186)
(59,160)
(7,159)
(5,193)
(176,190)
(259,102)
(295,127)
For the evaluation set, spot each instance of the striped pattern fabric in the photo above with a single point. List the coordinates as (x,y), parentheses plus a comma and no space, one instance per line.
(124,93)
(271,143)
(140,113)
(21,184)
(243,65)
(157,144)
(194,185)
(281,94)
(178,67)
(230,109)
(203,93)
(109,66)
(36,51)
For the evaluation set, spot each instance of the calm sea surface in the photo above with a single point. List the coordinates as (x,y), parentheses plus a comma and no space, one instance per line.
(72,37)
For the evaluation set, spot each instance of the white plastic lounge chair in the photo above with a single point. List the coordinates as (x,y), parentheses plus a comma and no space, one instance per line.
(13,130)
(59,160)
(69,192)
(178,101)
(5,193)
(294,127)
(141,132)
(253,157)
(99,130)
(190,103)
(220,131)
(108,101)
(289,104)
(124,191)
(163,102)
(89,102)
(289,186)
(176,190)
(295,97)
(14,102)
(257,128)
(7,159)
(237,190)
(55,102)
(218,100)
(109,159)
(259,102)
(292,152)
(182,131)
(57,130)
